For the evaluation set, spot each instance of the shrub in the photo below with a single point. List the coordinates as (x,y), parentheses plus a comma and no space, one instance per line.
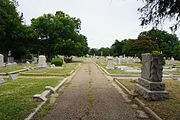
(68,59)
(159,54)
(57,61)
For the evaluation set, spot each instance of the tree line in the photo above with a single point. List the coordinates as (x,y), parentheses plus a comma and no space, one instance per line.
(147,42)
(50,34)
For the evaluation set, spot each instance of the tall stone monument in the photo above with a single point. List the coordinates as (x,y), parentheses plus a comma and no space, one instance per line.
(110,63)
(2,60)
(42,61)
(10,59)
(150,84)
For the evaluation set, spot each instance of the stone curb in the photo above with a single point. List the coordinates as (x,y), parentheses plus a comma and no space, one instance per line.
(31,115)
(40,74)
(147,109)
(17,71)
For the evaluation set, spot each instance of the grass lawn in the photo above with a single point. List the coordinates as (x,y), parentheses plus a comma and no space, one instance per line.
(65,70)
(116,71)
(16,101)
(11,68)
(172,73)
(168,109)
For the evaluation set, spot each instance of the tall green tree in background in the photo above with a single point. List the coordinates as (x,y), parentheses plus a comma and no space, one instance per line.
(165,41)
(137,47)
(59,34)
(10,25)
(176,51)
(104,51)
(117,47)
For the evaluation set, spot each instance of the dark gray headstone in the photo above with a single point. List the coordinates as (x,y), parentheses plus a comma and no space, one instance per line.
(151,67)
(150,84)
(12,76)
(1,79)
(10,60)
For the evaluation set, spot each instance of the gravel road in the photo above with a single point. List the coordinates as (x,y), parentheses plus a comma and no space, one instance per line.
(90,96)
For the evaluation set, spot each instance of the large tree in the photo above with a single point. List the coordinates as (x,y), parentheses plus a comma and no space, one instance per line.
(157,11)
(137,47)
(117,47)
(59,34)
(165,41)
(10,29)
(176,51)
(104,51)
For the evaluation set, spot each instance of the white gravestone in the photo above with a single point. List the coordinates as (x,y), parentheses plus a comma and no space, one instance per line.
(42,61)
(116,60)
(110,63)
(1,60)
(35,60)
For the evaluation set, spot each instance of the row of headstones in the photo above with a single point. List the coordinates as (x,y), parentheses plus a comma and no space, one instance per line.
(10,60)
(120,60)
(123,59)
(41,61)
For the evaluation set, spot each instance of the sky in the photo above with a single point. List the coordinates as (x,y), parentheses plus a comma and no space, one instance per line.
(103,21)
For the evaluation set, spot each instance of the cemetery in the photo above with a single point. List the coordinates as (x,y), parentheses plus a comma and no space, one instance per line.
(17,90)
(170,83)
(170,68)
(89,60)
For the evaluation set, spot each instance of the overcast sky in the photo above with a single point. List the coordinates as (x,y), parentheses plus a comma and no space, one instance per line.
(103,21)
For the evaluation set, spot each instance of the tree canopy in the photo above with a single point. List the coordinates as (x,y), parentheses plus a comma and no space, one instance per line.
(59,34)
(48,34)
(10,27)
(164,40)
(155,12)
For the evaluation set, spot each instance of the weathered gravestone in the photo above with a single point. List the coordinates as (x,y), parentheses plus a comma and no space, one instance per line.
(10,59)
(42,61)
(1,60)
(1,79)
(150,84)
(35,60)
(12,76)
(110,63)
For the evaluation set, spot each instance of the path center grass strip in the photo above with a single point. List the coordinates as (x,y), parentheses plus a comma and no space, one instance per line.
(16,96)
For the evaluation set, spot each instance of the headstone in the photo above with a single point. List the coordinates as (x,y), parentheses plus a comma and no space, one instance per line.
(172,59)
(110,63)
(10,59)
(42,61)
(35,60)
(52,66)
(1,79)
(129,60)
(27,62)
(116,60)
(150,84)
(12,76)
(1,60)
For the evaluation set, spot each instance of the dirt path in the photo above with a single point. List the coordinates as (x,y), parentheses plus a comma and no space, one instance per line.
(91,97)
